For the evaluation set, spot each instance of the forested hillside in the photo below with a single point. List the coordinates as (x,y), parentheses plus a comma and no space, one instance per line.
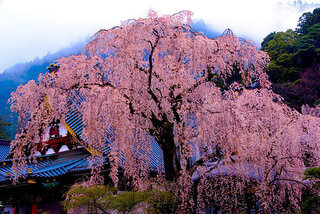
(294,68)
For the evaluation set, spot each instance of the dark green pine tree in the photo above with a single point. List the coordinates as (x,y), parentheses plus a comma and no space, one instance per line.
(311,199)
(4,125)
(307,20)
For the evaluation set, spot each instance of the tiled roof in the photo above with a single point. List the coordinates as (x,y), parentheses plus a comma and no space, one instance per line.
(157,155)
(5,168)
(71,161)
(4,149)
(74,121)
(62,165)
(50,166)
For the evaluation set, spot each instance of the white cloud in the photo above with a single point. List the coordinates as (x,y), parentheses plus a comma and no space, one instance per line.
(30,29)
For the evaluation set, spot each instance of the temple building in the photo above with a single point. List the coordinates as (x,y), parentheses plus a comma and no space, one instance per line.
(60,162)
(62,159)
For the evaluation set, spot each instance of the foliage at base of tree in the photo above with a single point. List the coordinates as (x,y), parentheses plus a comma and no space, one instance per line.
(104,199)
(161,202)
(94,198)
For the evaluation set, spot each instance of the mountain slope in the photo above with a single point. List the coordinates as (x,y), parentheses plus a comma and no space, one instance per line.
(21,73)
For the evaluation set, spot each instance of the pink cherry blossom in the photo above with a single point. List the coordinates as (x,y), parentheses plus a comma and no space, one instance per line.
(157,76)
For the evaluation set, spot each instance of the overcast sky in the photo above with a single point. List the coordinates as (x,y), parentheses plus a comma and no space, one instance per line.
(32,28)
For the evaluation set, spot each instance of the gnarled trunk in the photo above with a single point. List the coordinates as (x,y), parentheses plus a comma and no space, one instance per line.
(163,134)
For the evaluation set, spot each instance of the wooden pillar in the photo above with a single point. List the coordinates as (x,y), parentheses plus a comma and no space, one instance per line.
(34,208)
(15,210)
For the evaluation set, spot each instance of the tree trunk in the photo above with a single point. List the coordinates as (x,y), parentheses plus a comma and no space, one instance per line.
(163,134)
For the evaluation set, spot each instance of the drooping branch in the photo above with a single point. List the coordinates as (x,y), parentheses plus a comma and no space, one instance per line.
(155,76)
(289,180)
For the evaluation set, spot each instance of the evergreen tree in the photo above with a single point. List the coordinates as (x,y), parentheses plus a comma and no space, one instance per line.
(4,134)
(266,40)
(294,60)
(311,198)
(307,20)
(308,46)
(281,48)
